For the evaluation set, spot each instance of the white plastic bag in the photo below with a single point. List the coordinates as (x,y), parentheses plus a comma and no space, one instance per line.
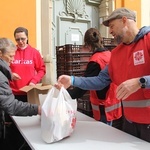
(58,116)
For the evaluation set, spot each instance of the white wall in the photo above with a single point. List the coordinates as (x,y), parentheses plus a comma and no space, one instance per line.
(145,13)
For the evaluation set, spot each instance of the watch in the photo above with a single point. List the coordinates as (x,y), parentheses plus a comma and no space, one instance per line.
(142,82)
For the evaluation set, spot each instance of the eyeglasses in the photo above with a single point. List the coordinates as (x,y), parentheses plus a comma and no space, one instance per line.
(22,39)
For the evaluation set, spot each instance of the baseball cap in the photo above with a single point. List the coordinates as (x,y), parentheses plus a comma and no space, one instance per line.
(119,13)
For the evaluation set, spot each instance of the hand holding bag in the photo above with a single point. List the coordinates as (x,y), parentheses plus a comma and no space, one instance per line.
(58,116)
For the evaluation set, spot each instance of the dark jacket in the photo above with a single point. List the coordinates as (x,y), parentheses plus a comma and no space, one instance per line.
(8,103)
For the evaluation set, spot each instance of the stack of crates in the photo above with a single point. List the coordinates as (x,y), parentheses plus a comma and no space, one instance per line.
(72,60)
(109,43)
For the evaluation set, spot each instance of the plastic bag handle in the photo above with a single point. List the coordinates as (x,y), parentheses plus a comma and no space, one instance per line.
(65,94)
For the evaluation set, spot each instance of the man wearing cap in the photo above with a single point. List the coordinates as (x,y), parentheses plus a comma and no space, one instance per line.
(128,68)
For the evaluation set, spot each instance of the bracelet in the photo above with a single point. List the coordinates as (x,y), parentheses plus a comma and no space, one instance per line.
(72,80)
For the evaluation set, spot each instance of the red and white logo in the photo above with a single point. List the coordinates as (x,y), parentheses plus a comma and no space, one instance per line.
(138,57)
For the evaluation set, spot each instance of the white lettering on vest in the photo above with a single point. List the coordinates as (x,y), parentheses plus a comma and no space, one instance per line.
(22,62)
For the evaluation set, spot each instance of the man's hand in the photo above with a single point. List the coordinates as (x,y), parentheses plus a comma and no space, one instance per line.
(31,84)
(128,87)
(63,80)
(39,110)
(15,76)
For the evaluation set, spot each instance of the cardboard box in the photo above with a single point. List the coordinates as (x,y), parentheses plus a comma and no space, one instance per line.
(33,92)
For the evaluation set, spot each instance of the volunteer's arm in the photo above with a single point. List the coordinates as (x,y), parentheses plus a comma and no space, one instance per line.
(87,83)
(92,69)
(130,86)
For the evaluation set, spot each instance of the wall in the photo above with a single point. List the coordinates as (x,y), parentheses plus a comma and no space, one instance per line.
(131,4)
(145,13)
(18,13)
(29,13)
(105,9)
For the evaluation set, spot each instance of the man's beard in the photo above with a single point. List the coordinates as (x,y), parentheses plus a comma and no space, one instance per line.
(118,40)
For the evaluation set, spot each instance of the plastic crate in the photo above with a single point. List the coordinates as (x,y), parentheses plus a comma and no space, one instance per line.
(84,102)
(71,57)
(108,41)
(70,72)
(71,53)
(76,65)
(84,105)
(70,48)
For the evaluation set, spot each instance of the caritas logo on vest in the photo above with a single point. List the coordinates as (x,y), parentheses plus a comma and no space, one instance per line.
(138,57)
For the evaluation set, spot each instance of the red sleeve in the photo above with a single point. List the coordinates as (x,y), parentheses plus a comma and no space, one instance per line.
(39,67)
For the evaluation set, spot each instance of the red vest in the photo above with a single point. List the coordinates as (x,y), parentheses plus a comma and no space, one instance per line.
(132,61)
(112,105)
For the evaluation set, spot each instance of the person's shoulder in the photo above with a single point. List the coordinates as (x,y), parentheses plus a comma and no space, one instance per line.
(117,48)
(148,34)
(32,48)
(3,78)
